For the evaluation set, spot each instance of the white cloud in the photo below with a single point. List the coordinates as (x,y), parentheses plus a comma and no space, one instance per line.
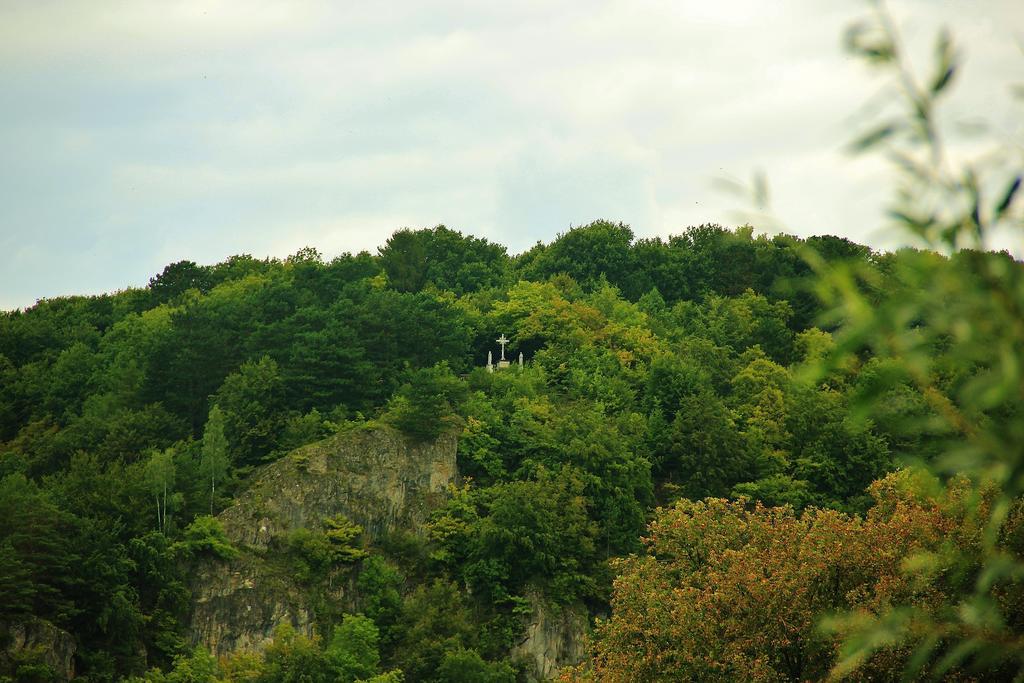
(143,132)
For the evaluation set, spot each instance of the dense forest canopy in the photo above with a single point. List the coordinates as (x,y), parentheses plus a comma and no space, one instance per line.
(658,373)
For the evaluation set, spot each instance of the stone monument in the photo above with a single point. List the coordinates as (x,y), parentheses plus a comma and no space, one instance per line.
(503,362)
(502,340)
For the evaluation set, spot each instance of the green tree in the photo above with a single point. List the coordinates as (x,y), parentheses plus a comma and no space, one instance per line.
(252,401)
(353,649)
(215,461)
(467,666)
(196,667)
(379,587)
(15,583)
(511,537)
(164,598)
(36,552)
(707,454)
(294,658)
(318,555)
(326,362)
(671,379)
(442,257)
(404,257)
(742,322)
(178,278)
(587,254)
(160,474)
(205,535)
(342,534)
(423,406)
(435,620)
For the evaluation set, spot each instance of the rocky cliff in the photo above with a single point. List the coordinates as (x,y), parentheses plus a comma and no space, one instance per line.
(555,637)
(378,479)
(375,477)
(38,642)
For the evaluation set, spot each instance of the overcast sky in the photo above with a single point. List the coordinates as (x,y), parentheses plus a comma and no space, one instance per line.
(134,134)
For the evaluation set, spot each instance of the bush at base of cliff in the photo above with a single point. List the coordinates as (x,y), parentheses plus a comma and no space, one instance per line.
(26,666)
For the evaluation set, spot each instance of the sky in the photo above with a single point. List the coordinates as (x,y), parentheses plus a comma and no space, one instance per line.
(137,133)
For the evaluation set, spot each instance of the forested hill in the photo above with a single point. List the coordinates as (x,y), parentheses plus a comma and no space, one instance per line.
(655,372)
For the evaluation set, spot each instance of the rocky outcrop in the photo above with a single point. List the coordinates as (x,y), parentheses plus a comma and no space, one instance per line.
(555,638)
(239,605)
(375,477)
(40,642)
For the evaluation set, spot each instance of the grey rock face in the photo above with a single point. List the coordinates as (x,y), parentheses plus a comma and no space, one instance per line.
(555,638)
(56,646)
(377,478)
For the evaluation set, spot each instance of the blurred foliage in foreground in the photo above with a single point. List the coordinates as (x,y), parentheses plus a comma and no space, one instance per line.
(960,340)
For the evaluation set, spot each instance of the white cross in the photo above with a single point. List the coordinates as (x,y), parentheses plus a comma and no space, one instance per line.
(502,340)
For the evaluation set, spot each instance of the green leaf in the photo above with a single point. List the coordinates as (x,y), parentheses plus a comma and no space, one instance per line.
(956,655)
(1008,196)
(943,79)
(919,225)
(999,568)
(878,49)
(873,137)
(946,58)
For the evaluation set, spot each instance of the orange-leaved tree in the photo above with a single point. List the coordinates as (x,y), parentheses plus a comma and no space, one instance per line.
(732,590)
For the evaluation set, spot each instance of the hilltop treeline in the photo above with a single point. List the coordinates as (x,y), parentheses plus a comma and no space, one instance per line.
(658,373)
